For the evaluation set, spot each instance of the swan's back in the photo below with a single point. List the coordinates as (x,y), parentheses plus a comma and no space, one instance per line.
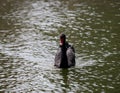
(70,54)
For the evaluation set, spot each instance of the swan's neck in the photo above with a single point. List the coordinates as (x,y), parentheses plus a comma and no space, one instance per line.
(64,62)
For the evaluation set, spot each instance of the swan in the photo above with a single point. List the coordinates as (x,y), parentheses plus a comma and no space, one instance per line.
(65,56)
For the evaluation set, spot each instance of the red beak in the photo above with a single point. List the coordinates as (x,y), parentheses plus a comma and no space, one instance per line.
(61,41)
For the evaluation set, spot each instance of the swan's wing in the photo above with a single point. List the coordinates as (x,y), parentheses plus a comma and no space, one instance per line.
(58,58)
(71,56)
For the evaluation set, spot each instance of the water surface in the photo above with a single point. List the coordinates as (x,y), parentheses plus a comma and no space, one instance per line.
(29,31)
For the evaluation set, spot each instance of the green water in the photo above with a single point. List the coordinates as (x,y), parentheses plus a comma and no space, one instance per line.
(29,32)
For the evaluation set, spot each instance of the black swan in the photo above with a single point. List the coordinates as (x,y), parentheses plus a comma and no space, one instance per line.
(65,56)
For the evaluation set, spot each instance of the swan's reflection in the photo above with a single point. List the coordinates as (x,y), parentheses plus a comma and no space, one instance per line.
(65,84)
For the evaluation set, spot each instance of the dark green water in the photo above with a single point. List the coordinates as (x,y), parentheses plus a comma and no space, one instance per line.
(29,31)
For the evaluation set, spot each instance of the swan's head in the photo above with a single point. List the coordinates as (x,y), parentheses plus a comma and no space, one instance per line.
(62,39)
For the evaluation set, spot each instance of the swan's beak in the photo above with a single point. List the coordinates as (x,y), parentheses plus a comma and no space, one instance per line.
(61,41)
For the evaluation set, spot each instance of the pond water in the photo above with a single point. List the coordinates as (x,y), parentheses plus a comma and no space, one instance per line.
(29,38)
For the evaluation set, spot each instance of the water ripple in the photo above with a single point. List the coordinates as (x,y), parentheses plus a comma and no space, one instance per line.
(29,33)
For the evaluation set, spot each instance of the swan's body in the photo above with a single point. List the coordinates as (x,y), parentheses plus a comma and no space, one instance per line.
(65,56)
